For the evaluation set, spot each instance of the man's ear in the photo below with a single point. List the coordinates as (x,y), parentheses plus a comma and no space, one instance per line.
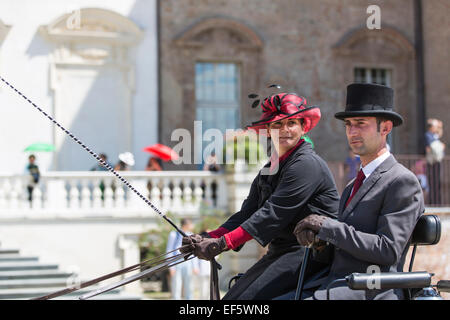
(386,127)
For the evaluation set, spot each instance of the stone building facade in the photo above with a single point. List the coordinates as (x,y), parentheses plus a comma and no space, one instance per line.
(313,48)
(92,65)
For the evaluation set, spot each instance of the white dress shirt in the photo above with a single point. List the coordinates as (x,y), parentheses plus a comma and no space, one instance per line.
(372,165)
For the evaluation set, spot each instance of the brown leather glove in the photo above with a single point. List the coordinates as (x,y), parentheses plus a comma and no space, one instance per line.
(307,228)
(313,222)
(308,238)
(208,248)
(305,237)
(187,243)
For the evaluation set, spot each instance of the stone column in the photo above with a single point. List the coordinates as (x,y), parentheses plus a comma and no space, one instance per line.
(130,255)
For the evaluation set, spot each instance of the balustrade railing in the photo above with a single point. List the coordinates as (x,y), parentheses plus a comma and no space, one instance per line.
(435,179)
(178,192)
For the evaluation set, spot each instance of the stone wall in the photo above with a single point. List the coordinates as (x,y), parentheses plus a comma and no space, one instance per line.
(309,47)
(436,26)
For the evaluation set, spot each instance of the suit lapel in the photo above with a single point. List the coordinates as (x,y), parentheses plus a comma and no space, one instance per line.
(344,196)
(366,186)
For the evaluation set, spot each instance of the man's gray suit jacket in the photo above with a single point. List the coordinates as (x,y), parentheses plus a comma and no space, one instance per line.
(374,230)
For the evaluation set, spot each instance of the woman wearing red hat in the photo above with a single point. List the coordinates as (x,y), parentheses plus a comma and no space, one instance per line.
(295,183)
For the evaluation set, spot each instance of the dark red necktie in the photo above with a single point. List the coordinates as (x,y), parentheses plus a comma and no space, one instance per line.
(358,182)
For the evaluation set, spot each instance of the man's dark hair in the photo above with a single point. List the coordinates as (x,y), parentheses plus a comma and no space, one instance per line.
(380,120)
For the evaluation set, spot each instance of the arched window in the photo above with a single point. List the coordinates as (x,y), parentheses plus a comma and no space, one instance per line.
(213,61)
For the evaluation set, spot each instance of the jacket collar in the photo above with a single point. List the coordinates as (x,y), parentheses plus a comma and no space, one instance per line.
(274,160)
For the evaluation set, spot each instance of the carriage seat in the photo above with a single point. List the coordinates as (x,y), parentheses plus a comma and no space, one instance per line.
(427,231)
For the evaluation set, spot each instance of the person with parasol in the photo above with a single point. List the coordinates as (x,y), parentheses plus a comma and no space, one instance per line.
(159,152)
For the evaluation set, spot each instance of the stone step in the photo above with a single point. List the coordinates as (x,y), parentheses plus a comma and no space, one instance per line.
(8,251)
(115,296)
(28,293)
(16,257)
(34,283)
(106,297)
(24,277)
(11,266)
(33,274)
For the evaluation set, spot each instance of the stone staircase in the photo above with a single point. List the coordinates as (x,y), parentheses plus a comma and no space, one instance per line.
(24,277)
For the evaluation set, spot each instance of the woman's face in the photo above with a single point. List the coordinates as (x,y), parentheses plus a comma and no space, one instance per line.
(285,134)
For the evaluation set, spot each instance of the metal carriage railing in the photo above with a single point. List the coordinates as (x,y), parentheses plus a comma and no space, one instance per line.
(436,177)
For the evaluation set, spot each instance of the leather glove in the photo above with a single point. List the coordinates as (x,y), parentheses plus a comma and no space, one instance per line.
(307,228)
(308,238)
(187,243)
(313,222)
(208,248)
(305,237)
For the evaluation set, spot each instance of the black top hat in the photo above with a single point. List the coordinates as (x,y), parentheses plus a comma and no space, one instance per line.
(370,100)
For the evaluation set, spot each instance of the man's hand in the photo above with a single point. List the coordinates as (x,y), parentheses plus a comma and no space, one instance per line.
(306,230)
(208,248)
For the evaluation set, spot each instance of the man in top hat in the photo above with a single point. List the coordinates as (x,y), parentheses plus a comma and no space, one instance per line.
(299,183)
(378,209)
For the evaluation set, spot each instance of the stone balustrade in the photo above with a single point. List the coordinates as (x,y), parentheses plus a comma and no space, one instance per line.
(92,221)
(180,192)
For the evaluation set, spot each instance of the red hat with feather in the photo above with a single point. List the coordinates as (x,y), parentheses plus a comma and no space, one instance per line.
(285,106)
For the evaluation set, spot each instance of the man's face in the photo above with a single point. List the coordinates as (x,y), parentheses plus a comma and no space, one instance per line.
(286,133)
(363,135)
